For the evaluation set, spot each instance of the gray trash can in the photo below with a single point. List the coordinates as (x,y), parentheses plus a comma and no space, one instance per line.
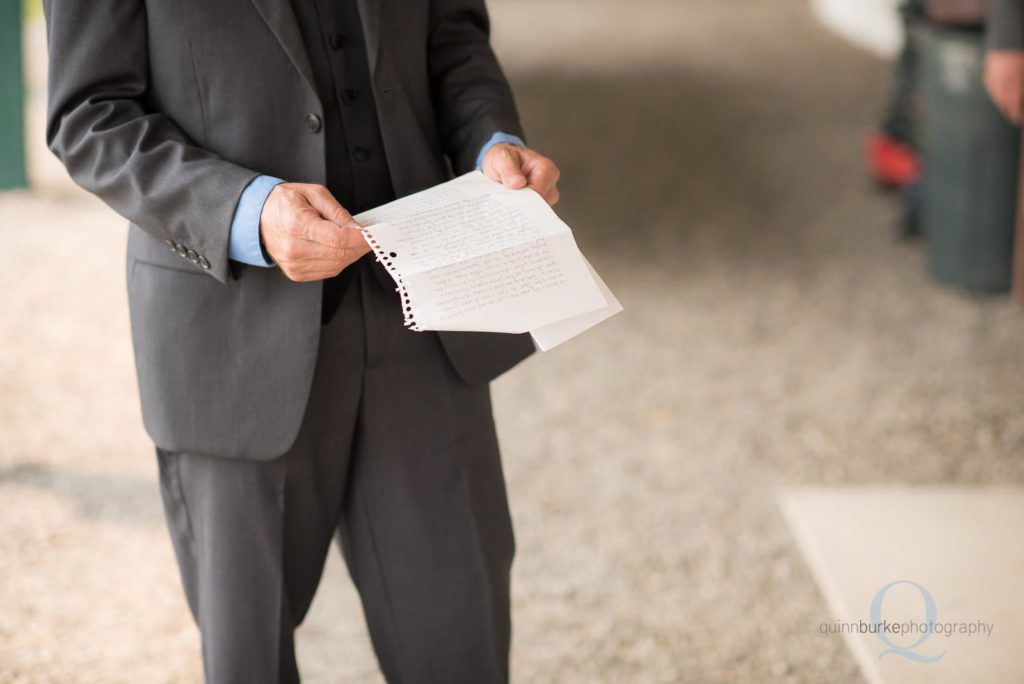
(971,156)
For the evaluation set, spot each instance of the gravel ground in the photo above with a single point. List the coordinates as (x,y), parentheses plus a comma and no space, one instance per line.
(775,334)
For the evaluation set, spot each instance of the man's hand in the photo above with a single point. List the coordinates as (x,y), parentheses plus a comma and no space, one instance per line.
(518,167)
(308,234)
(1004,79)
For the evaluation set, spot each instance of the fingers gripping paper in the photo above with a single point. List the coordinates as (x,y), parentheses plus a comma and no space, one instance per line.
(472,255)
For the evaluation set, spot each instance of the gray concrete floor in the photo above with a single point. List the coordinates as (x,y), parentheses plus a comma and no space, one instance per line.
(775,335)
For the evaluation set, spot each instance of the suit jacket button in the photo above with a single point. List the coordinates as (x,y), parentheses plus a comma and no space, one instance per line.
(313,123)
(203,263)
(361,154)
(192,256)
(180,249)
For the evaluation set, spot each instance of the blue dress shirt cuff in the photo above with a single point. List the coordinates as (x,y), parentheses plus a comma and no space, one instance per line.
(244,240)
(498,137)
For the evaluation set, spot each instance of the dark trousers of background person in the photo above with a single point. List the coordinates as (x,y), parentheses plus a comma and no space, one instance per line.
(902,110)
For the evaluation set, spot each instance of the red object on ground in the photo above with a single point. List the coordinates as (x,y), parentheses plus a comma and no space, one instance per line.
(893,163)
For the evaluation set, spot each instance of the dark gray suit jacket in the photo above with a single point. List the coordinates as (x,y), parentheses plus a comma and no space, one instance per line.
(167,109)
(1004,24)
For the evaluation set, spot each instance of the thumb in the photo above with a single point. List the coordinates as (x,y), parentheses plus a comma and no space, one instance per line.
(506,167)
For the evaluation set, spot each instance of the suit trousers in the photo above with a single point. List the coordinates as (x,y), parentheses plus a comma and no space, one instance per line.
(397,458)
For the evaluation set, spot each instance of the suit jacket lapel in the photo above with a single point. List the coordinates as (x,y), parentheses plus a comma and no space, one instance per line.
(281,19)
(369,12)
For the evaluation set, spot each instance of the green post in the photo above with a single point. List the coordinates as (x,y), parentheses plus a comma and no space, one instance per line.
(12,98)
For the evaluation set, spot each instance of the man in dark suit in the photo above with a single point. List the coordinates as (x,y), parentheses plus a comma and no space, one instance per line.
(286,400)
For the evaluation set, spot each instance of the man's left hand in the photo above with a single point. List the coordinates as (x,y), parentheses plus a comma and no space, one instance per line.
(518,167)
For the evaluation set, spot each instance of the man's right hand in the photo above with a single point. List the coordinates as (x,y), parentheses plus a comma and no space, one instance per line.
(308,234)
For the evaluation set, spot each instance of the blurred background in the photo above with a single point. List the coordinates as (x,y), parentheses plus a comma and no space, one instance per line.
(815,388)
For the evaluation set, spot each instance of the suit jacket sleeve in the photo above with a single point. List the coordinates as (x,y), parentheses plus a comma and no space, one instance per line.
(472,98)
(1005,25)
(115,146)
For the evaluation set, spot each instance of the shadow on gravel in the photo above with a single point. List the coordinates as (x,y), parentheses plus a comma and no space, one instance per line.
(114,498)
(657,162)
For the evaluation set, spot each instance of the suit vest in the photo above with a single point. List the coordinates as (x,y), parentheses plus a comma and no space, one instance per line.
(357,171)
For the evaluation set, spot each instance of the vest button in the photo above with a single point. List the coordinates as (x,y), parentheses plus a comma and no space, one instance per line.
(348,96)
(336,40)
(360,154)
(313,123)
